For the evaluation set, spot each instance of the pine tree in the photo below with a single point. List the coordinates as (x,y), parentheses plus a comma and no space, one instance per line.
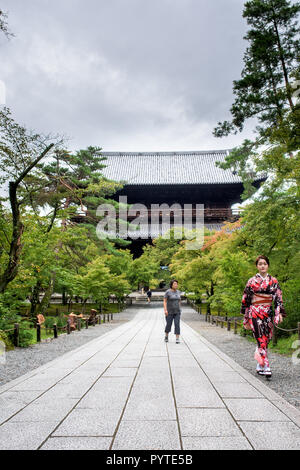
(4,25)
(271,59)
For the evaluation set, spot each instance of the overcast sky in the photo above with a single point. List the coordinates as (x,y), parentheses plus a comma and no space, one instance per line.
(124,75)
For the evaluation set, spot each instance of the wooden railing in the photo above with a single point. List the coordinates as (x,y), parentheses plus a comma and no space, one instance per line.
(235,322)
(217,213)
(208,213)
(67,328)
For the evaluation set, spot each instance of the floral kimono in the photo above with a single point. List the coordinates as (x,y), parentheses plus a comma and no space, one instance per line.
(258,314)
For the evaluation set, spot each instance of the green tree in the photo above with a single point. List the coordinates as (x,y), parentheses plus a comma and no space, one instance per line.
(143,269)
(265,90)
(73,181)
(79,183)
(20,153)
(98,283)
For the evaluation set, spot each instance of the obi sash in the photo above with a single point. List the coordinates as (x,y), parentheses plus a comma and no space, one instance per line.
(262,299)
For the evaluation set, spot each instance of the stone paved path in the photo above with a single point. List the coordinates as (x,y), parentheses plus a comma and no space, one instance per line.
(129,390)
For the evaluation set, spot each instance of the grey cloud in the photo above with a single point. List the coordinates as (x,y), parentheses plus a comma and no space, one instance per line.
(124,74)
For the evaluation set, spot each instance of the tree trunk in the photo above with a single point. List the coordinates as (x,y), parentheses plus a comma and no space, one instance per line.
(35,298)
(283,65)
(211,289)
(64,297)
(15,245)
(83,309)
(279,110)
(46,299)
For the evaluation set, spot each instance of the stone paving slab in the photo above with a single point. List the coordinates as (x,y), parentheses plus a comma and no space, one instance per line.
(147,435)
(108,392)
(254,410)
(27,437)
(90,422)
(77,443)
(13,402)
(207,422)
(289,410)
(120,372)
(230,390)
(129,390)
(36,412)
(215,443)
(272,436)
(151,400)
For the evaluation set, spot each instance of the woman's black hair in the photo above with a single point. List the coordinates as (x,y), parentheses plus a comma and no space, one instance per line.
(172,282)
(262,257)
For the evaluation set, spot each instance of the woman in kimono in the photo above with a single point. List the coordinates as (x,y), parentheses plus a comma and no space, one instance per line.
(260,291)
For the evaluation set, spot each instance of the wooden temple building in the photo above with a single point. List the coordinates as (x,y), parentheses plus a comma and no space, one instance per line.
(176,177)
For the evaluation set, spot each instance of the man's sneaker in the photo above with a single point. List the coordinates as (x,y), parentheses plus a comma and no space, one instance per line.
(260,369)
(166,339)
(177,340)
(267,372)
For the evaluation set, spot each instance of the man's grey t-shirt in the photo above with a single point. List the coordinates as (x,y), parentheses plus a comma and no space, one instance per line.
(173,298)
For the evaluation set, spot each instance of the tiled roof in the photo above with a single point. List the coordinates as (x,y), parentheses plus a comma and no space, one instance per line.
(146,168)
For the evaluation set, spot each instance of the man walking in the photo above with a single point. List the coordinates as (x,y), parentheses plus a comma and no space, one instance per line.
(149,294)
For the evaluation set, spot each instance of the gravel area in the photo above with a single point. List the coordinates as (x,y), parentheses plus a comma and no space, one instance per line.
(22,360)
(285,375)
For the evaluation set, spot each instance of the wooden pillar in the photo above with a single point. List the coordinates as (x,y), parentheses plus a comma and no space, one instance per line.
(55,330)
